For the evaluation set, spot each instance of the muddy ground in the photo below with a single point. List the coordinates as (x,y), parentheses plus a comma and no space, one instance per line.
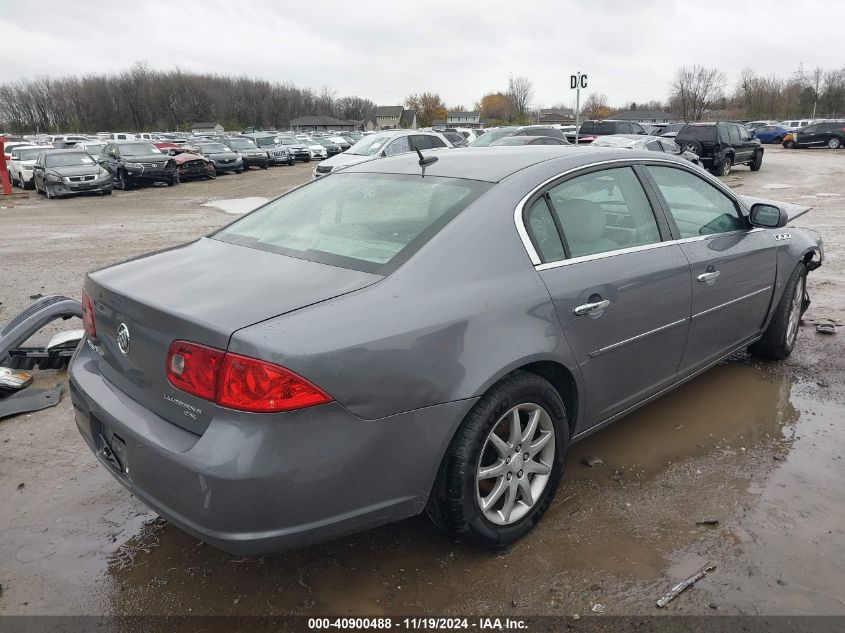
(756,446)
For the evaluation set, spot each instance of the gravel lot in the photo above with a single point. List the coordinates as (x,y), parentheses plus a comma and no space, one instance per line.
(756,446)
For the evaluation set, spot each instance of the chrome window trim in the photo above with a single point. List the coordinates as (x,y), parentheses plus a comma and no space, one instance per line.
(522,231)
(637,249)
(728,303)
(634,339)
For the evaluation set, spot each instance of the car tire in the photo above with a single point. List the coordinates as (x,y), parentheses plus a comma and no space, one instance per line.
(239,171)
(692,146)
(779,338)
(307,159)
(757,163)
(458,495)
(834,143)
(48,191)
(173,180)
(291,162)
(123,182)
(107,192)
(724,167)
(789,145)
(265,166)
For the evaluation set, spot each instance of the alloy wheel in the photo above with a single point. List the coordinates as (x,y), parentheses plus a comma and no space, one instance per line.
(515,464)
(795,312)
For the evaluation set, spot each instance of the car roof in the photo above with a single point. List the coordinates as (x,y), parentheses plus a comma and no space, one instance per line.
(493,164)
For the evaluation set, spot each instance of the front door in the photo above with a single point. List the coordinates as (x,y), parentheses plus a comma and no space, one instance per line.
(621,293)
(732,265)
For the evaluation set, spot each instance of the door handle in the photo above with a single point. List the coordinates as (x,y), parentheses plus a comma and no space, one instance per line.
(594,309)
(709,277)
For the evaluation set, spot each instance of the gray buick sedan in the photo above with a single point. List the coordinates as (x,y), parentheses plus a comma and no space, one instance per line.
(411,335)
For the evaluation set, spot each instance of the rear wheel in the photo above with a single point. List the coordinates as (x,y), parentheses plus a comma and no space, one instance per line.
(779,338)
(834,142)
(757,162)
(724,167)
(502,468)
(692,146)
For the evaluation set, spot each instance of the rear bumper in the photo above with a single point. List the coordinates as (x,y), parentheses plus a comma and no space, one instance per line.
(254,484)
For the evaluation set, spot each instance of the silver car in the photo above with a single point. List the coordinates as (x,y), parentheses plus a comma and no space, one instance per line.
(411,335)
(381,145)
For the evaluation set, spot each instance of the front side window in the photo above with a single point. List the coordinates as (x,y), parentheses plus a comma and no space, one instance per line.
(603,211)
(368,222)
(697,207)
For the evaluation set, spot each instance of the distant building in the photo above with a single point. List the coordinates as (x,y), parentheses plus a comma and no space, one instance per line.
(463,119)
(207,128)
(391,118)
(438,123)
(320,122)
(647,116)
(560,116)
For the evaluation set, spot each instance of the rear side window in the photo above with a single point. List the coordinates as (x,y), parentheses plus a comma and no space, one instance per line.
(369,222)
(603,211)
(697,207)
(544,233)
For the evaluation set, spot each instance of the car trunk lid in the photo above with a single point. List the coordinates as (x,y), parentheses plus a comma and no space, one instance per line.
(200,292)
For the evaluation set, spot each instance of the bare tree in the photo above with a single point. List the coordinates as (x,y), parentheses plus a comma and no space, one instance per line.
(521,94)
(595,106)
(695,89)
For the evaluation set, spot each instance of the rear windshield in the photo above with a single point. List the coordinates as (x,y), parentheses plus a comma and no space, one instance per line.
(698,132)
(492,135)
(368,222)
(598,127)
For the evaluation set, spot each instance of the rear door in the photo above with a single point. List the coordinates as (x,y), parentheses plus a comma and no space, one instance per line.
(746,145)
(732,265)
(621,292)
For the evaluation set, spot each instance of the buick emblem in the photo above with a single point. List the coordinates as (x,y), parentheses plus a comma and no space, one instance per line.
(123,339)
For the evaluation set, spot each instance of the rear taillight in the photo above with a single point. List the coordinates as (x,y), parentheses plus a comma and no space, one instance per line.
(238,382)
(88,315)
(249,384)
(194,368)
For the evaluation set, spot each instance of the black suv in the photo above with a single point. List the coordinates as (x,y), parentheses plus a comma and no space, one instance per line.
(590,130)
(825,134)
(133,162)
(721,145)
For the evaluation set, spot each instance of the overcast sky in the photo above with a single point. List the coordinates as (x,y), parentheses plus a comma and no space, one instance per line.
(386,50)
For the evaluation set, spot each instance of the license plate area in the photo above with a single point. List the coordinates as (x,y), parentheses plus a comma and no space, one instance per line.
(112,450)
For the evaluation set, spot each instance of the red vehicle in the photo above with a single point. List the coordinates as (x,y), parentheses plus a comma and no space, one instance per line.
(189,164)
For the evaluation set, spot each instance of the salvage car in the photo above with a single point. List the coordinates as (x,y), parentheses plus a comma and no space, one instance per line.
(650,143)
(829,134)
(22,163)
(277,152)
(248,151)
(223,158)
(190,164)
(721,145)
(63,172)
(380,145)
(135,162)
(423,334)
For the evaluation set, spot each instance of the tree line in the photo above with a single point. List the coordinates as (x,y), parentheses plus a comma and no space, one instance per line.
(141,98)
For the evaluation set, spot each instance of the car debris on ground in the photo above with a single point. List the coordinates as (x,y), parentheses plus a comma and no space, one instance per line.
(689,582)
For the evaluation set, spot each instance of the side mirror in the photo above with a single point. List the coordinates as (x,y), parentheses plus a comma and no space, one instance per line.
(768,216)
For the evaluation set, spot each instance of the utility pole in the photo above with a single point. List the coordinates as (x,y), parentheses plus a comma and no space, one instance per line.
(576,82)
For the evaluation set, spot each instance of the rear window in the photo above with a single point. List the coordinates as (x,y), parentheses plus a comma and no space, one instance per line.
(599,127)
(698,132)
(368,222)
